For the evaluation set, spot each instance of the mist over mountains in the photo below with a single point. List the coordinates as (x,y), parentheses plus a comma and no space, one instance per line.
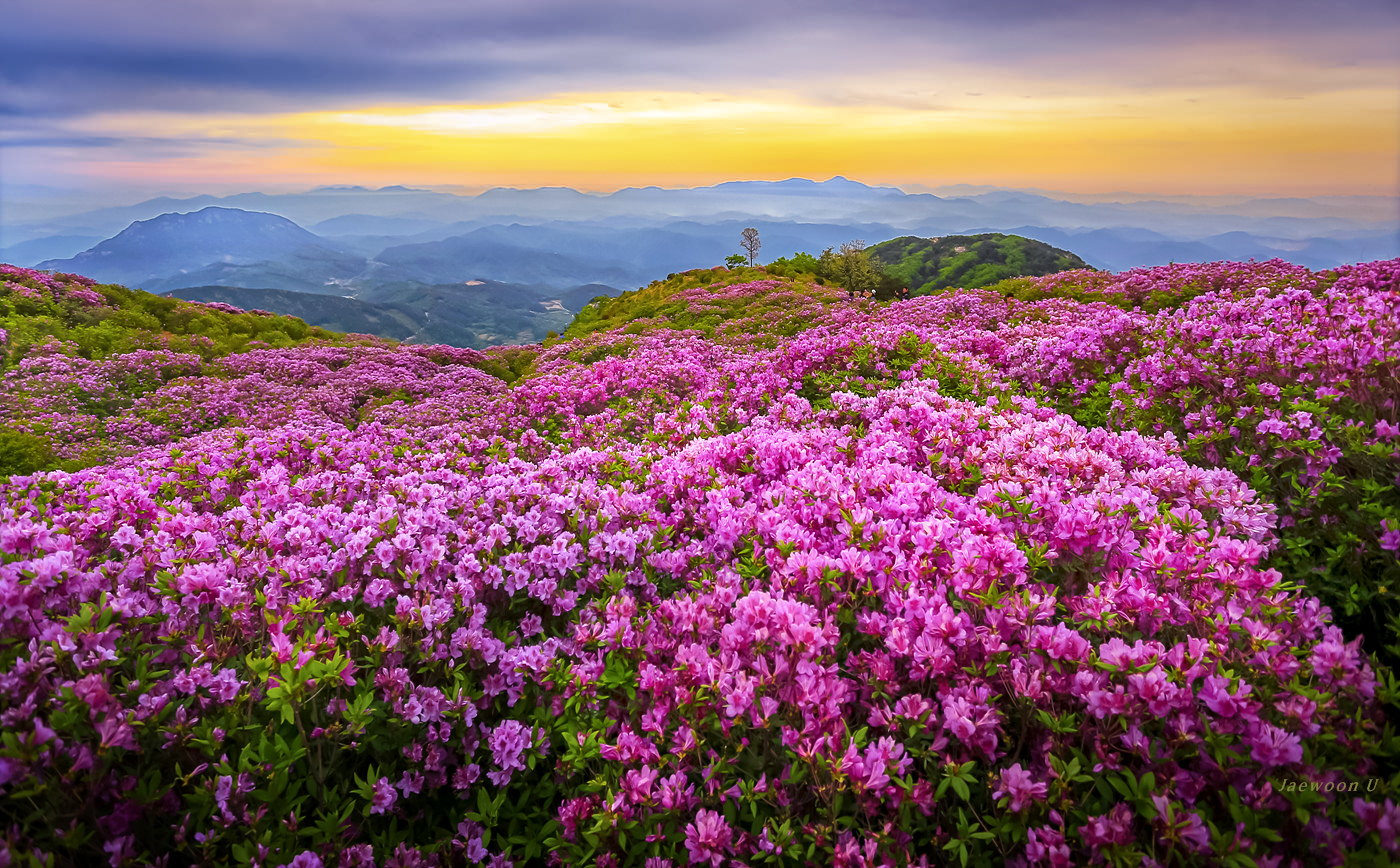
(551,249)
(346,211)
(215,245)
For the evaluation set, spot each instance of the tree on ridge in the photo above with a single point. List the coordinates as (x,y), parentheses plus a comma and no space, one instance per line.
(749,241)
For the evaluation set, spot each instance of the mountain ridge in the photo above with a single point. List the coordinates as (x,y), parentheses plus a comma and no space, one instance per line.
(180,242)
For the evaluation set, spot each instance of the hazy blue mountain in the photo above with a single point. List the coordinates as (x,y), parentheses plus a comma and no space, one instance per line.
(107,221)
(836,186)
(302,208)
(356,188)
(370,224)
(636,255)
(559,237)
(468,257)
(1362,247)
(205,246)
(837,201)
(1124,248)
(311,270)
(30,253)
(646,253)
(780,238)
(558,195)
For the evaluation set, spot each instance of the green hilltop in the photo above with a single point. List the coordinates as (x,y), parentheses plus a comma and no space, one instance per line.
(927,265)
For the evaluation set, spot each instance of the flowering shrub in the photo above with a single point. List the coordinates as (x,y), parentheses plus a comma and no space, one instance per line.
(756,576)
(102,371)
(94,321)
(1285,377)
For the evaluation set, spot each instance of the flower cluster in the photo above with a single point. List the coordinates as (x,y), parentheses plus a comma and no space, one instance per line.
(785,578)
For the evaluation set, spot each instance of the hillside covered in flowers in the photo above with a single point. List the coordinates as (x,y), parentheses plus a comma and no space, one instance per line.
(1086,569)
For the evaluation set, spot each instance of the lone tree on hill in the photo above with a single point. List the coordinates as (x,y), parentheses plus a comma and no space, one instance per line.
(749,241)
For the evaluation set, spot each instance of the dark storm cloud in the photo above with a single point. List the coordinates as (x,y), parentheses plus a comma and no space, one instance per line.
(80,56)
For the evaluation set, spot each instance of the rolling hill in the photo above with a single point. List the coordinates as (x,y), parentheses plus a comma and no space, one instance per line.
(331,312)
(929,264)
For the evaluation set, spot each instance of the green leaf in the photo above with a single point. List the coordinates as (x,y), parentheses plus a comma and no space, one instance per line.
(1122,788)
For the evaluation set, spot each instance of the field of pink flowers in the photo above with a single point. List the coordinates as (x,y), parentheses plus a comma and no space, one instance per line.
(1070,571)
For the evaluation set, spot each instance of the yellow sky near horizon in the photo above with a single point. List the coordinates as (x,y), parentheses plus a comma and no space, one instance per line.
(1231,141)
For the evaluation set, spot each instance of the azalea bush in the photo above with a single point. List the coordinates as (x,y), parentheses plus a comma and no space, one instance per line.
(98,320)
(739,571)
(87,400)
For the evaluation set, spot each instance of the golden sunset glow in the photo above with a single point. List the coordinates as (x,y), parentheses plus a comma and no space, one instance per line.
(1232,142)
(1085,96)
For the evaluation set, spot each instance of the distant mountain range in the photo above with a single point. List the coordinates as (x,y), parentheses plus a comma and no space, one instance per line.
(210,246)
(428,293)
(536,246)
(51,247)
(837,200)
(464,257)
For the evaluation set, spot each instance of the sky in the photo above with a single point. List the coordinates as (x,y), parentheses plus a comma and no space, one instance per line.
(1249,97)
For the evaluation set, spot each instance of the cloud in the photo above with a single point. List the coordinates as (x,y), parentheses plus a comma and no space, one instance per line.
(8,141)
(137,134)
(83,56)
(212,89)
(533,118)
(89,55)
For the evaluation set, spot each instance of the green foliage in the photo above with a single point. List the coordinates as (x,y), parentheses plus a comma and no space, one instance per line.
(1083,287)
(866,370)
(21,452)
(311,739)
(851,268)
(510,363)
(129,319)
(1330,519)
(305,742)
(926,265)
(663,304)
(796,266)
